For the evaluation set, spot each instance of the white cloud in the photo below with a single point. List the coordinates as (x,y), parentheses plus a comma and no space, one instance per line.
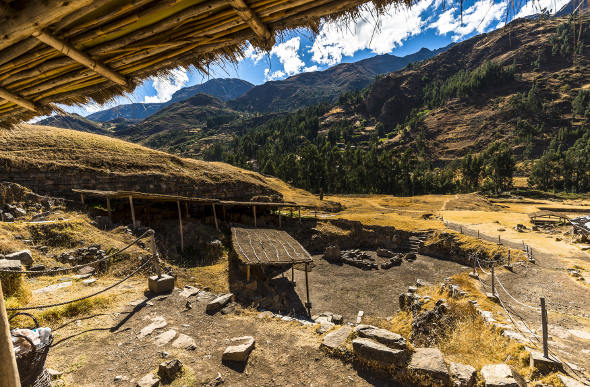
(478,18)
(396,24)
(535,6)
(268,76)
(165,86)
(288,55)
(254,54)
(310,69)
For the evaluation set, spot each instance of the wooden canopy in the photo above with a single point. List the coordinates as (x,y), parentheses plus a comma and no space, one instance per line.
(547,217)
(79,51)
(257,246)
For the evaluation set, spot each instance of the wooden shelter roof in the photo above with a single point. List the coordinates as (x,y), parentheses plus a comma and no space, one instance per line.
(547,214)
(258,246)
(81,51)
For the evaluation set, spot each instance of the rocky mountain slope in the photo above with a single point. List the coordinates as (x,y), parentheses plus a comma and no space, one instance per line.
(222,88)
(324,86)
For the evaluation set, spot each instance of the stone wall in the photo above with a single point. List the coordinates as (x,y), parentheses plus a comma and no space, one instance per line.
(61,181)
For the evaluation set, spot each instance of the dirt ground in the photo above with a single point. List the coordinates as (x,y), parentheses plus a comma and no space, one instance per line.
(345,289)
(286,353)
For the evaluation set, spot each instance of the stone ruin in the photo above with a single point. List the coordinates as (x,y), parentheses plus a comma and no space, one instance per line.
(362,260)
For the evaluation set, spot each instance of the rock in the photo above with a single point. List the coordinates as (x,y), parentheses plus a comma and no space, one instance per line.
(53,374)
(89,281)
(499,375)
(427,325)
(462,375)
(120,378)
(545,365)
(149,380)
(240,351)
(324,327)
(420,283)
(334,341)
(332,253)
(383,336)
(369,350)
(337,319)
(189,291)
(158,322)
(6,264)
(168,370)
(410,257)
(86,270)
(407,300)
(8,217)
(428,367)
(218,303)
(37,267)
(24,256)
(359,316)
(185,342)
(412,289)
(53,288)
(384,253)
(569,382)
(265,314)
(165,337)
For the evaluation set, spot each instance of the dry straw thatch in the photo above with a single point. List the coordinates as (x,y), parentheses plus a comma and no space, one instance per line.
(82,51)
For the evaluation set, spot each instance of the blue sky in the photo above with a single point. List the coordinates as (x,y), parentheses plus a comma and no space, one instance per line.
(399,31)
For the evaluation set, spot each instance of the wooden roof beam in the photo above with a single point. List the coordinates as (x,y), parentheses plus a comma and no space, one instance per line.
(255,23)
(18,100)
(79,57)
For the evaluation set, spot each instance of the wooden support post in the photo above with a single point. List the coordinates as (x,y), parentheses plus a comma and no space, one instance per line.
(308,303)
(186,213)
(293,275)
(180,226)
(82,198)
(254,212)
(493,281)
(461,229)
(132,210)
(499,242)
(299,215)
(223,210)
(109,209)
(8,370)
(215,217)
(477,234)
(509,257)
(247,273)
(80,57)
(279,216)
(545,329)
(155,256)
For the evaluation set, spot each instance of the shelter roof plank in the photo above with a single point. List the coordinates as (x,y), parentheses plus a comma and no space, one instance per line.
(258,246)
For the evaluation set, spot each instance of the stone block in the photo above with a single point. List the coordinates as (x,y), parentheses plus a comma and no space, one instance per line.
(500,375)
(24,256)
(462,375)
(10,264)
(569,382)
(169,370)
(218,303)
(545,365)
(240,351)
(383,336)
(334,341)
(372,351)
(163,284)
(149,380)
(428,367)
(185,342)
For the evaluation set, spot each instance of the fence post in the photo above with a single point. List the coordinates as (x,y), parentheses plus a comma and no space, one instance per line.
(461,229)
(477,234)
(499,240)
(8,370)
(545,331)
(155,256)
(493,281)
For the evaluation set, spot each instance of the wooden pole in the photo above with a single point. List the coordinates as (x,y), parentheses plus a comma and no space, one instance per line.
(254,212)
(186,213)
(279,216)
(155,256)
(8,369)
(292,275)
(299,215)
(180,226)
(132,210)
(79,57)
(215,217)
(252,19)
(477,234)
(545,329)
(109,209)
(493,281)
(82,198)
(7,95)
(499,242)
(308,303)
(247,273)
(223,210)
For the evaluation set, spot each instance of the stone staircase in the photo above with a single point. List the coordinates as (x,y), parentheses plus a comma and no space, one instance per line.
(413,243)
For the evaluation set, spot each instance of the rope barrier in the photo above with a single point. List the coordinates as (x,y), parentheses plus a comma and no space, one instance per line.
(514,299)
(85,297)
(481,268)
(67,269)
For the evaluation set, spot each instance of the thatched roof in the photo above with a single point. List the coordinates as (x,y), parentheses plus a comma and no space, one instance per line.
(79,51)
(257,246)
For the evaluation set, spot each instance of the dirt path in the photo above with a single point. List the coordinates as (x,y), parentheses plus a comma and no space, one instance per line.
(345,289)
(568,301)
(286,353)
